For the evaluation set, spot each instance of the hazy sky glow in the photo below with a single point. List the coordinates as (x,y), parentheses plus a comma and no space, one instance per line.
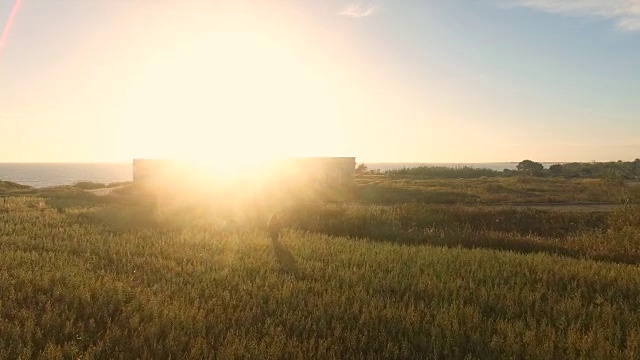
(228,81)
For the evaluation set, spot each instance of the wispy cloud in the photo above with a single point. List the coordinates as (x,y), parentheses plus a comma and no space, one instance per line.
(625,13)
(360,9)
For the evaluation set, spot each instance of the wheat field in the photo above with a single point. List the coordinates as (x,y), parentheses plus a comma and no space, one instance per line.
(71,287)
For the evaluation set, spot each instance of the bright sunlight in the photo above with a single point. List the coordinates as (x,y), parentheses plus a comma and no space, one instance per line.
(231,98)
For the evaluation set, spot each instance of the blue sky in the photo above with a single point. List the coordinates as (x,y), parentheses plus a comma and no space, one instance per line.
(431,81)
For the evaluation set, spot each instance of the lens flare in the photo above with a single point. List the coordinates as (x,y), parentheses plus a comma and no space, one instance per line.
(9,24)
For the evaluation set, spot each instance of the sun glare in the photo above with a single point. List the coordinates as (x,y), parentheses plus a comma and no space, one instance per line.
(231,99)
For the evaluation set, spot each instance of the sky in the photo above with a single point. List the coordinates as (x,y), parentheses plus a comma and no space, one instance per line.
(385,81)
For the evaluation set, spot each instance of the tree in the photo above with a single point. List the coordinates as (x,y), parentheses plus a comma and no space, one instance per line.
(530,167)
(556,170)
(361,169)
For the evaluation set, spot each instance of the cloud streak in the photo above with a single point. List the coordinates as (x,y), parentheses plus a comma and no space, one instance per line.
(624,13)
(360,9)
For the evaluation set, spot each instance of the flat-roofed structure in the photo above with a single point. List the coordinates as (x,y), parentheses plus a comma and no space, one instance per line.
(317,171)
(147,169)
(156,170)
(329,171)
(310,179)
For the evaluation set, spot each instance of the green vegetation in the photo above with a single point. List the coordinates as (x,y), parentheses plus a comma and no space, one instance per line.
(601,170)
(90,185)
(441,172)
(611,236)
(8,186)
(133,275)
(614,170)
(381,189)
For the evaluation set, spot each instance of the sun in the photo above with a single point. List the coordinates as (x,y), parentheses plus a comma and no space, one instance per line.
(229,100)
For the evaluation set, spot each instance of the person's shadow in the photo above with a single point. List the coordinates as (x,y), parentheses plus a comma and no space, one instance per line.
(286,262)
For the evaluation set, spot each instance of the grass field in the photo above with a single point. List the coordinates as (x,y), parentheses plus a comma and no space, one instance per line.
(382,189)
(120,277)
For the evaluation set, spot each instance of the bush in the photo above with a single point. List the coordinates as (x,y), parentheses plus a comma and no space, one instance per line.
(89,185)
(7,186)
(442,172)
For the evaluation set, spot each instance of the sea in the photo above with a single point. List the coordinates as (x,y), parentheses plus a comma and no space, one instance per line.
(41,175)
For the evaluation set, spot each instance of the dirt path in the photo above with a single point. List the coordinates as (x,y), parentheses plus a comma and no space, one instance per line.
(568,207)
(572,207)
(103,191)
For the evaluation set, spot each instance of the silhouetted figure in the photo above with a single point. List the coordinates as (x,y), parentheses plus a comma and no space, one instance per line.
(275,226)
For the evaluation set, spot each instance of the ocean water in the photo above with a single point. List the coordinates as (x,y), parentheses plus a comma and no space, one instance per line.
(45,175)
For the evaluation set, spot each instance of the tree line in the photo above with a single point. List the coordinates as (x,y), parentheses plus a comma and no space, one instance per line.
(616,170)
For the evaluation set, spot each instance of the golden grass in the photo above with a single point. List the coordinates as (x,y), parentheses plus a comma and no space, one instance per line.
(71,287)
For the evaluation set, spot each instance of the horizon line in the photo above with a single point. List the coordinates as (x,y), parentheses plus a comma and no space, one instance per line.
(311,157)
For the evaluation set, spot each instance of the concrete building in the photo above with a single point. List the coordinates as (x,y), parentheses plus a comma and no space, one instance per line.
(279,184)
(320,171)
(153,170)
(317,171)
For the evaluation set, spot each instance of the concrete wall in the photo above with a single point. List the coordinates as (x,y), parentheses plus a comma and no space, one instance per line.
(151,169)
(329,170)
(335,171)
(299,179)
